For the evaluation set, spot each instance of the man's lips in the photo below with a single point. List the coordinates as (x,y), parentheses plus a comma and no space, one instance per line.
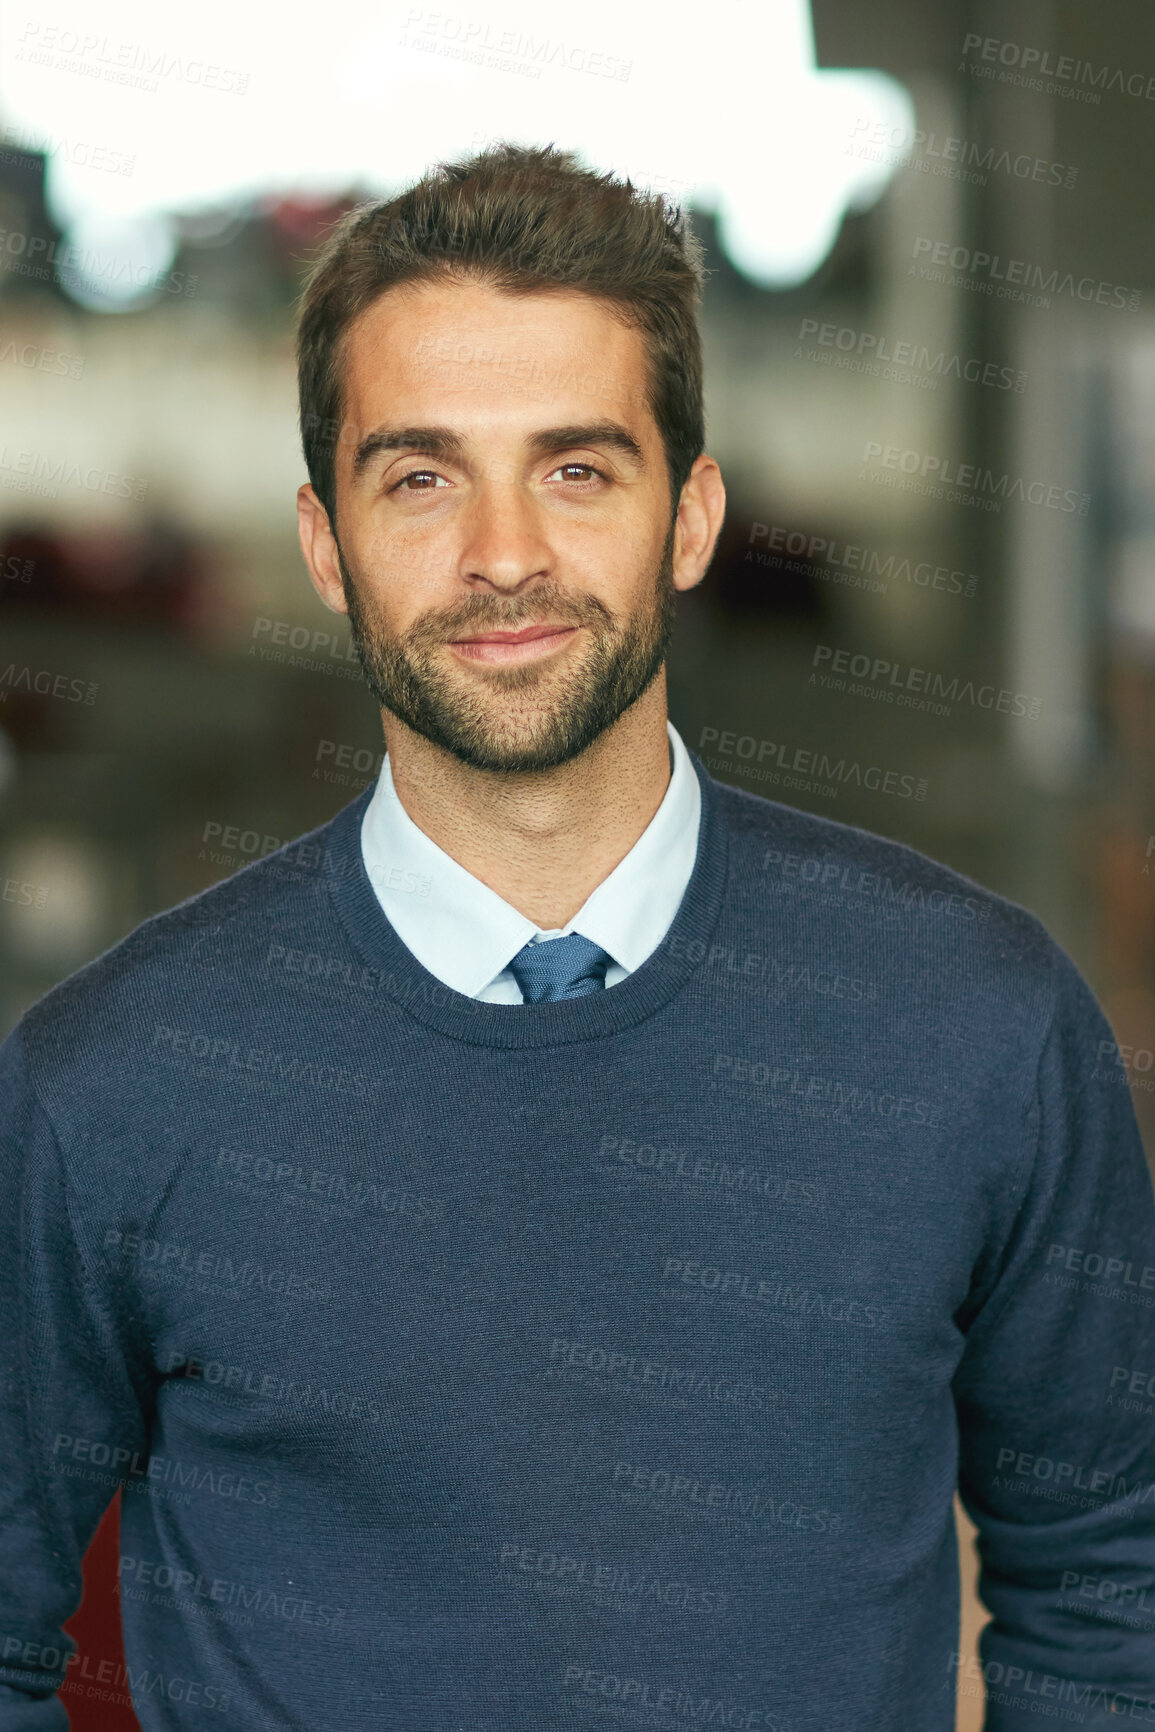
(526,633)
(531,642)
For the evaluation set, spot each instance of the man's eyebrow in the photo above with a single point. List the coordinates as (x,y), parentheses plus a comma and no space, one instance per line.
(433,441)
(442,442)
(608,433)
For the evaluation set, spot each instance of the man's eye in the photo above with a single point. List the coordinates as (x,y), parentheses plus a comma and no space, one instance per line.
(584,471)
(423,477)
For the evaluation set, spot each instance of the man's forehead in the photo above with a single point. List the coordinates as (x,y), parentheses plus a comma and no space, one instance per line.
(459,300)
(457,353)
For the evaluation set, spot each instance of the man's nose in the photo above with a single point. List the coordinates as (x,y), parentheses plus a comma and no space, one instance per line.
(504,543)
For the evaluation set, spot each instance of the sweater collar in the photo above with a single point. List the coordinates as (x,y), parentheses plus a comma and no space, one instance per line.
(599,1014)
(465,933)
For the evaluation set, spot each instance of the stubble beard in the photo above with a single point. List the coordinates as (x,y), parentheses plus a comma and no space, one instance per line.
(528,717)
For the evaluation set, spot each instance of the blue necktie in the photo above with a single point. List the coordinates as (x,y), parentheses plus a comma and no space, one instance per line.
(551,968)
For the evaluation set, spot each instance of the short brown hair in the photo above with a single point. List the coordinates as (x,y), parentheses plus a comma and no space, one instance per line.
(521,219)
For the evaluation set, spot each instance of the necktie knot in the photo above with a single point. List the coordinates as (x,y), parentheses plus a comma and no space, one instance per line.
(547,969)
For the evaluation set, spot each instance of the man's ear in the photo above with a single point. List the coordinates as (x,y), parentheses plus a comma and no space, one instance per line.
(699,522)
(319,546)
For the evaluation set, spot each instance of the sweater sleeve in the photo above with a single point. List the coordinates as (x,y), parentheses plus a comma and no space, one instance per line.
(1055,1396)
(70,1421)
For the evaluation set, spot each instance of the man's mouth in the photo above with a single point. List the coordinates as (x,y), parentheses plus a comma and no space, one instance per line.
(518,645)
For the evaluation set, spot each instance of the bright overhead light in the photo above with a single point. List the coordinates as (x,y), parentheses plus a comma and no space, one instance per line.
(143,117)
(114,264)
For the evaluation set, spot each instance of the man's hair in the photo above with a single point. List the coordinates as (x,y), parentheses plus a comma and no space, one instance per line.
(521,219)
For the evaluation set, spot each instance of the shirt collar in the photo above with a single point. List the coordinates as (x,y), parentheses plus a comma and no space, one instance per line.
(464,933)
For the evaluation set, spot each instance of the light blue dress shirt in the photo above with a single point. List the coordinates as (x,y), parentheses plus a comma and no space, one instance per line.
(464,933)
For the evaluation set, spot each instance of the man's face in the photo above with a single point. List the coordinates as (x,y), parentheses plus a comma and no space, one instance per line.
(506,544)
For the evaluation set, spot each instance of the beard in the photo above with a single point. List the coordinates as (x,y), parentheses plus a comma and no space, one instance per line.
(527,717)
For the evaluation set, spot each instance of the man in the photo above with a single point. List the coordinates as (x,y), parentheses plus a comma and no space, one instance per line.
(547,1246)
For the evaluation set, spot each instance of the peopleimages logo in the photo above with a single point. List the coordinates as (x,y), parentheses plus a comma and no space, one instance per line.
(898,682)
(304,638)
(1068,1474)
(716,1497)
(1139,1382)
(967,483)
(130,1470)
(241,1380)
(39,466)
(13,569)
(18,141)
(163,1260)
(23,893)
(40,359)
(847,562)
(816,772)
(905,361)
(952,158)
(830,1096)
(171,1687)
(829,879)
(1032,66)
(1130,1061)
(139,65)
(1027,1682)
(211,1592)
(652,1376)
(1092,1264)
(46,684)
(19,250)
(567,1572)
(739,1285)
(221,1055)
(1018,279)
(1108,1589)
(527,372)
(474,40)
(672,1702)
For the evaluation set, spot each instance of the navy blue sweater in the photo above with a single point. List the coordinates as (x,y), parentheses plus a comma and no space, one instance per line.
(607,1362)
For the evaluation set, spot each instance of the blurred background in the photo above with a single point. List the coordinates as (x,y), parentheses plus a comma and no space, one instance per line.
(930,339)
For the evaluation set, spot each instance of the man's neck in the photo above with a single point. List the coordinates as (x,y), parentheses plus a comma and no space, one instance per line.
(543,841)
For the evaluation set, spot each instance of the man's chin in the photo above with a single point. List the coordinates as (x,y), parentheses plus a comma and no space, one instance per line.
(505,751)
(519,719)
(467,678)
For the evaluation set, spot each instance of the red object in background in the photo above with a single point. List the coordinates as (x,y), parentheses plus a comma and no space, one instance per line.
(96,1692)
(152,573)
(301,224)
